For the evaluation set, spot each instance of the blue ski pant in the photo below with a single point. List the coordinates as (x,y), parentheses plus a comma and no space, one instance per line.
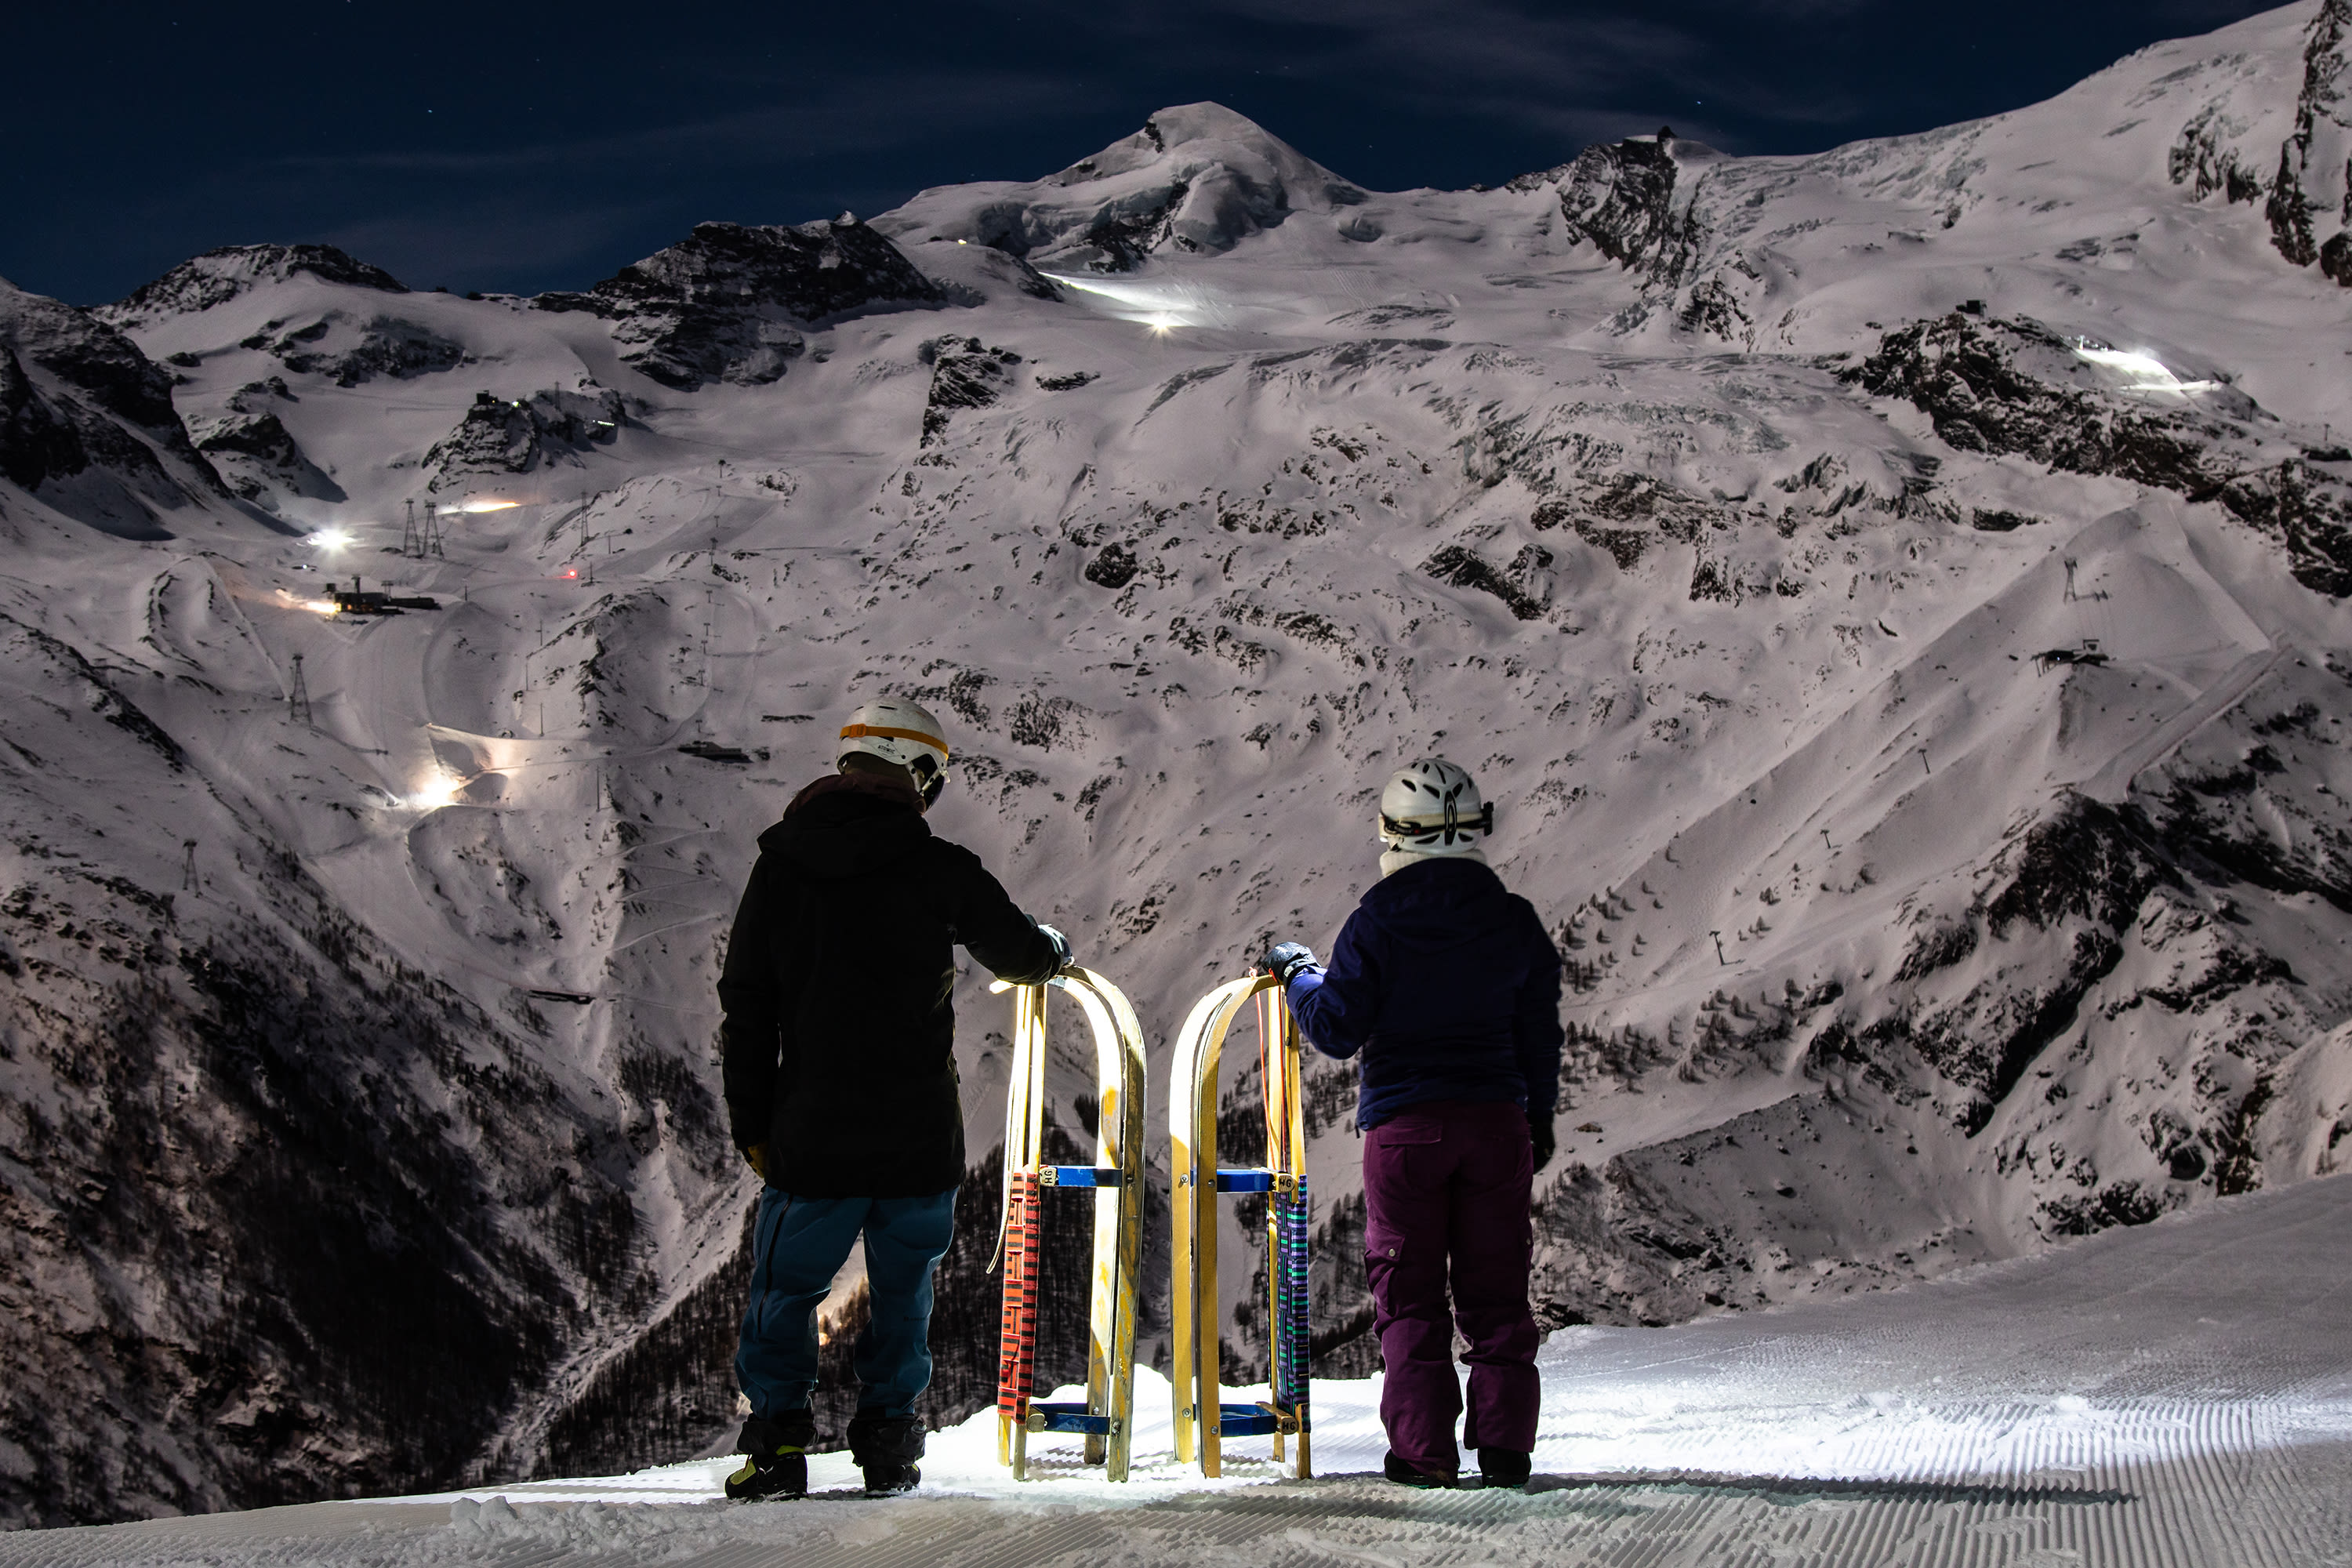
(799,1245)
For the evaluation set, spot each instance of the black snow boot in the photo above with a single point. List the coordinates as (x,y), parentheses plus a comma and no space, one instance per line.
(1404,1475)
(777,1457)
(886,1448)
(1504,1467)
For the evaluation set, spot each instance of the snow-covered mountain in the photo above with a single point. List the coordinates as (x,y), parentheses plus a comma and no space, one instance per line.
(1897,597)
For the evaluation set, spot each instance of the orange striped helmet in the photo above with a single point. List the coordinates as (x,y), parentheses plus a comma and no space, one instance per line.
(900,732)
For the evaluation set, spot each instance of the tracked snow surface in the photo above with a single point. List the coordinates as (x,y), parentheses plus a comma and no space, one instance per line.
(2177,1395)
(1897,597)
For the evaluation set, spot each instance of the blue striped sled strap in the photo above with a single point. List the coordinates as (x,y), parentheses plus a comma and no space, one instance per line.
(1079,1176)
(1046,1417)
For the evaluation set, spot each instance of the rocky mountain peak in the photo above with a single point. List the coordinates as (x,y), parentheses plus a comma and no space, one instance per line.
(723,303)
(219,276)
(2314,184)
(1631,200)
(1196,178)
(810,270)
(1185,139)
(87,421)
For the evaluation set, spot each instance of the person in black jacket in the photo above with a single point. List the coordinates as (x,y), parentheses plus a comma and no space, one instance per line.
(841,1082)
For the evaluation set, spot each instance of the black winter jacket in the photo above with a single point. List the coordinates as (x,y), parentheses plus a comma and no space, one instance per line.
(840,1030)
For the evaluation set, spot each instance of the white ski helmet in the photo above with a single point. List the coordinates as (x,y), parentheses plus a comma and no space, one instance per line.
(900,732)
(1432,808)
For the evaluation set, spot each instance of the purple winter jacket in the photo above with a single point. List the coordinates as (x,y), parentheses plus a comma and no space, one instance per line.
(1447,985)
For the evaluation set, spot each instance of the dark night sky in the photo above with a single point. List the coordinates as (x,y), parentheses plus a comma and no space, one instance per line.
(533,146)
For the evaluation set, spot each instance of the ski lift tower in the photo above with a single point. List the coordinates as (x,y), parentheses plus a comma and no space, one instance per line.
(298,697)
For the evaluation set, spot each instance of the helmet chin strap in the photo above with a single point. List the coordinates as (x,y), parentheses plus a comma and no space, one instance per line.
(929,780)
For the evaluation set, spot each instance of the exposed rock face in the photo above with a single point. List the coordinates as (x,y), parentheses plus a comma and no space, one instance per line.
(2018,387)
(721,305)
(256,454)
(2203,161)
(1632,200)
(219,276)
(35,442)
(2305,188)
(1197,178)
(965,373)
(1465,568)
(384,345)
(87,421)
(515,435)
(2314,183)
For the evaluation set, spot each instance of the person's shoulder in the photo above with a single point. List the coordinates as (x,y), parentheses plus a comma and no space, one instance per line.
(950,856)
(1531,925)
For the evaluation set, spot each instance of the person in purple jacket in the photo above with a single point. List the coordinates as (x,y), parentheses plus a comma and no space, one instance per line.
(1445,987)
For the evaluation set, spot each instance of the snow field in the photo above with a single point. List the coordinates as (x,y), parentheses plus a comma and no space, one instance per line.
(2179,1394)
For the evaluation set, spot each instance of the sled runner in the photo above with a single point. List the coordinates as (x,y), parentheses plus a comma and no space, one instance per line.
(1116,1178)
(1202,1418)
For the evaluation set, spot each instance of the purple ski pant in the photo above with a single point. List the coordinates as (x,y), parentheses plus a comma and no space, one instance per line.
(1447,1181)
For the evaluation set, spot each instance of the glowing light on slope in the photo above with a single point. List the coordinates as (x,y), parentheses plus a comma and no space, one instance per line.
(2143,371)
(331,538)
(317,607)
(1157,303)
(489,505)
(435,793)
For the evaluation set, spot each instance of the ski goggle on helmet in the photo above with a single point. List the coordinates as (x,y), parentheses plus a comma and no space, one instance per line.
(1432,808)
(900,732)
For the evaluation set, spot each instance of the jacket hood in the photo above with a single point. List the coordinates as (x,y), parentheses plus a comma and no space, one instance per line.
(1440,903)
(849,824)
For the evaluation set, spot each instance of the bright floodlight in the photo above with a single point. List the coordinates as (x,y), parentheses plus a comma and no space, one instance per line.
(2142,372)
(1159,303)
(331,538)
(318,606)
(488,505)
(435,792)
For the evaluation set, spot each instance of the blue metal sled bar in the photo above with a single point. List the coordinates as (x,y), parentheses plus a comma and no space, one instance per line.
(1044,1417)
(1245,1181)
(1252,1421)
(1077,1176)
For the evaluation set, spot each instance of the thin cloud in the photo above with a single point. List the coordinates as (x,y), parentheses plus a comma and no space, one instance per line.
(852,117)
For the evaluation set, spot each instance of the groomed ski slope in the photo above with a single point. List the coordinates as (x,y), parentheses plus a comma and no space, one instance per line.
(2178,1394)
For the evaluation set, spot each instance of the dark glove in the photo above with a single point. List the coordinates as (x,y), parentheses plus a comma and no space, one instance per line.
(1061,947)
(756,1156)
(1285,959)
(1545,1142)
